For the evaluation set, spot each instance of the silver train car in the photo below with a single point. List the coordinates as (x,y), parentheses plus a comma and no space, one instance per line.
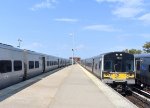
(17,65)
(116,69)
(143,70)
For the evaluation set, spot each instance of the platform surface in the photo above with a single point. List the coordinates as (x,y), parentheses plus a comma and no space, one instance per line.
(71,87)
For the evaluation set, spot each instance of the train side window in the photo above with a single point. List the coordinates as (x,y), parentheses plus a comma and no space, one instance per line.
(36,64)
(96,66)
(108,65)
(17,65)
(47,63)
(5,66)
(149,68)
(31,64)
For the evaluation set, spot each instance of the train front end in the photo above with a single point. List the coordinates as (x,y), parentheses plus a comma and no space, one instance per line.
(119,70)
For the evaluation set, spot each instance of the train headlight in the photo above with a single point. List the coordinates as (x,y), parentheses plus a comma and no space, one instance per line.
(107,75)
(130,75)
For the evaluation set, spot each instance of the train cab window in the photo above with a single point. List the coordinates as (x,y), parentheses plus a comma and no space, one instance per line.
(17,65)
(129,65)
(5,66)
(31,64)
(36,64)
(108,65)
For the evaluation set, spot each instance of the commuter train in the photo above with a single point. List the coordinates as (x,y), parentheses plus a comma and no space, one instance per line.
(143,70)
(17,65)
(116,69)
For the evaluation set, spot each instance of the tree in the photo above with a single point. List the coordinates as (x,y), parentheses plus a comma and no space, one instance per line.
(146,47)
(133,51)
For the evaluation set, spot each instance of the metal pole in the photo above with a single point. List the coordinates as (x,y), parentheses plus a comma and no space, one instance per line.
(72,56)
(19,40)
(73,47)
(72,34)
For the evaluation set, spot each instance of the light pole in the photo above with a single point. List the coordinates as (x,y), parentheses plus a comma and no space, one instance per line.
(19,40)
(72,56)
(72,34)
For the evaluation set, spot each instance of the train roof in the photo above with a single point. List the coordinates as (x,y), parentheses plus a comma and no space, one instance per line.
(112,53)
(9,47)
(142,55)
(103,54)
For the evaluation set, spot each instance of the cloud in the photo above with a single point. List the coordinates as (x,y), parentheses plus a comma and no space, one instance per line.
(109,0)
(66,20)
(126,8)
(43,4)
(105,28)
(127,12)
(145,18)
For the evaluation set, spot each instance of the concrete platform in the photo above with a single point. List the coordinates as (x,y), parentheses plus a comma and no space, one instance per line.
(71,87)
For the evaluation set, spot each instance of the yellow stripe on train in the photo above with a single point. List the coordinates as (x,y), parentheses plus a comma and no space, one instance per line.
(119,76)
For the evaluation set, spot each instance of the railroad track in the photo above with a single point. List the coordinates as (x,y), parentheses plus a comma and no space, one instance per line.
(144,93)
(139,98)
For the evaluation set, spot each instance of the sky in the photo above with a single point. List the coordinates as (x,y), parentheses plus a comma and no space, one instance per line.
(91,27)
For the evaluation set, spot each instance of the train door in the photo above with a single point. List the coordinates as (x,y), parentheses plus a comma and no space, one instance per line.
(58,63)
(43,64)
(92,65)
(25,71)
(25,54)
(118,65)
(99,66)
(84,63)
(138,67)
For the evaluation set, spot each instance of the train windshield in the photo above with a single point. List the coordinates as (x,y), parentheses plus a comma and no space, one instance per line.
(108,65)
(129,65)
(119,63)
